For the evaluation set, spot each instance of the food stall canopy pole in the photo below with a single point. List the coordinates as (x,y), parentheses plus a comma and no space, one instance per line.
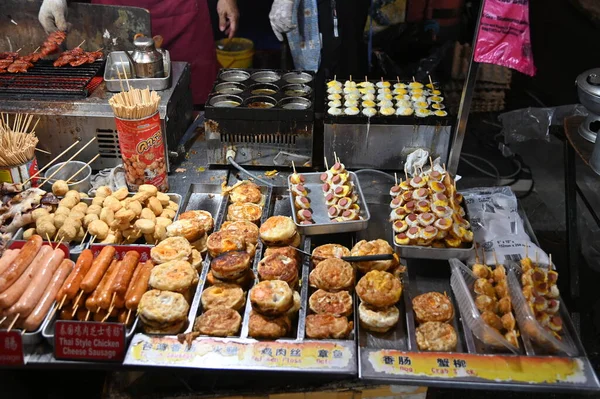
(465,104)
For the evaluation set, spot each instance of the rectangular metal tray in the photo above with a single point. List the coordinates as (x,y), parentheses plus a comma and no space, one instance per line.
(323,225)
(116,61)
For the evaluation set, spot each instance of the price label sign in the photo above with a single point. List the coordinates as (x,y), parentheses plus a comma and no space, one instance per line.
(11,348)
(86,340)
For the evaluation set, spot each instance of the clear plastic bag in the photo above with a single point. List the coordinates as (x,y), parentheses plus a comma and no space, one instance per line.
(462,281)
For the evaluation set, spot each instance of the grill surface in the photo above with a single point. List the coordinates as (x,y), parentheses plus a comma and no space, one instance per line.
(44,81)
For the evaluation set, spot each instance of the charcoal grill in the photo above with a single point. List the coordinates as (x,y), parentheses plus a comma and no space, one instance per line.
(45,81)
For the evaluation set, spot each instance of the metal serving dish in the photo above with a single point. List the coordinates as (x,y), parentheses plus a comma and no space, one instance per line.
(297,77)
(117,62)
(296,90)
(324,225)
(295,103)
(263,89)
(230,88)
(226,101)
(234,75)
(260,102)
(265,76)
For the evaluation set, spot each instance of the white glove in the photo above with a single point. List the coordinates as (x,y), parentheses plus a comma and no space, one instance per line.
(281,16)
(53,15)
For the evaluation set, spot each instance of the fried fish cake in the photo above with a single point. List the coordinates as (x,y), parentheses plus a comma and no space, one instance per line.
(375,247)
(335,303)
(244,211)
(228,296)
(378,320)
(244,281)
(243,228)
(379,289)
(218,322)
(163,312)
(285,251)
(176,276)
(436,336)
(332,275)
(169,249)
(293,311)
(224,241)
(277,230)
(230,265)
(278,267)
(203,217)
(260,326)
(190,229)
(433,306)
(328,326)
(195,260)
(271,298)
(200,244)
(246,192)
(328,251)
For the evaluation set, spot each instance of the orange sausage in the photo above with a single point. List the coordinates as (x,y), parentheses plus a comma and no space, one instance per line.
(72,283)
(105,294)
(141,285)
(129,262)
(8,256)
(98,269)
(91,303)
(12,294)
(134,279)
(20,263)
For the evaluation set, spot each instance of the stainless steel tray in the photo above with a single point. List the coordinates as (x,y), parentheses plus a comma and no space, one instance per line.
(324,225)
(116,61)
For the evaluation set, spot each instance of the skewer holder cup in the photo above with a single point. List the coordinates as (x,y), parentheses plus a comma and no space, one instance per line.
(20,173)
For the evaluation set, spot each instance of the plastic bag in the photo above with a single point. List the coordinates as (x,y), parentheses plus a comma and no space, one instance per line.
(503,37)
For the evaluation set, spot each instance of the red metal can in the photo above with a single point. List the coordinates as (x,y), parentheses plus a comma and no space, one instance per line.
(20,173)
(143,152)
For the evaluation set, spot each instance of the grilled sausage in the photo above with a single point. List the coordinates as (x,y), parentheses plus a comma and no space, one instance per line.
(129,262)
(134,278)
(12,294)
(36,317)
(98,269)
(105,294)
(8,256)
(91,302)
(140,287)
(73,282)
(20,263)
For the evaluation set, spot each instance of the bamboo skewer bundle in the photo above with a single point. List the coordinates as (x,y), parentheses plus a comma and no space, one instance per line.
(135,103)
(17,142)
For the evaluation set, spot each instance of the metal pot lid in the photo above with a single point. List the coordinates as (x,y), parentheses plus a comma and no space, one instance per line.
(589,82)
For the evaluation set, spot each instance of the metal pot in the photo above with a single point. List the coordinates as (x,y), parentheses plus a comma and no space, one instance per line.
(82,179)
(147,61)
(588,90)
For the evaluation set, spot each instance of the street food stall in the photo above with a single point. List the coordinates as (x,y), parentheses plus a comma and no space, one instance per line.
(387,274)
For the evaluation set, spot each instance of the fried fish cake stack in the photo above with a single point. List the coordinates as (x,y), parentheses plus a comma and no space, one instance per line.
(246,199)
(279,231)
(379,291)
(434,312)
(374,247)
(274,304)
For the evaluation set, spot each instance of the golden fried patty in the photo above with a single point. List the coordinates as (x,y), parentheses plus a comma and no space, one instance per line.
(379,289)
(335,303)
(378,320)
(244,281)
(244,211)
(246,192)
(327,326)
(436,336)
(260,326)
(375,247)
(271,298)
(433,306)
(163,312)
(230,265)
(285,251)
(328,251)
(332,275)
(196,260)
(244,229)
(228,296)
(176,276)
(277,229)
(203,217)
(278,267)
(171,248)
(190,229)
(218,322)
(224,241)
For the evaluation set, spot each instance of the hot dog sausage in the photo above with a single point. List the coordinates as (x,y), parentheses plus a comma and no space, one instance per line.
(123,317)
(130,261)
(98,269)
(105,295)
(8,256)
(91,302)
(12,294)
(72,283)
(20,263)
(81,313)
(66,314)
(37,286)
(36,317)
(134,278)
(141,285)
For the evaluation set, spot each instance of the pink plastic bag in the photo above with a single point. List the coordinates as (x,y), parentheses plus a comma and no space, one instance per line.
(504,35)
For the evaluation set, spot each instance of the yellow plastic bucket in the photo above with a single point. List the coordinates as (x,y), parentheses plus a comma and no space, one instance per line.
(236,53)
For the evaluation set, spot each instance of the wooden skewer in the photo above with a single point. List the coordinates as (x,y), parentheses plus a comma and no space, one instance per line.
(82,168)
(68,160)
(3,320)
(81,44)
(87,315)
(34,126)
(366,80)
(334,78)
(294,167)
(431,81)
(125,73)
(84,236)
(43,151)
(326,166)
(414,79)
(78,297)
(351,78)
(495,257)
(476,254)
(550,266)
(127,318)
(398,79)
(36,50)
(60,242)
(406,174)
(537,258)
(49,241)
(13,322)
(336,157)
(431,162)
(62,302)
(51,162)
(54,309)
(92,240)
(75,310)
(526,250)
(23,331)
(395,178)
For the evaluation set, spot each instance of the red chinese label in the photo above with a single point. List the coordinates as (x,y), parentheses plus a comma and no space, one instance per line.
(19,244)
(143,152)
(11,348)
(87,340)
(121,250)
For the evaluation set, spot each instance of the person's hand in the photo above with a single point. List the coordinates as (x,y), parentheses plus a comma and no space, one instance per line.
(228,17)
(281,17)
(53,15)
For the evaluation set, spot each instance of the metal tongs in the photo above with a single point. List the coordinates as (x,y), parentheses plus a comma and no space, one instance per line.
(365,258)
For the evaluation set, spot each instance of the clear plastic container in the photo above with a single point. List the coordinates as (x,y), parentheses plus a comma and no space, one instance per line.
(530,327)
(462,281)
